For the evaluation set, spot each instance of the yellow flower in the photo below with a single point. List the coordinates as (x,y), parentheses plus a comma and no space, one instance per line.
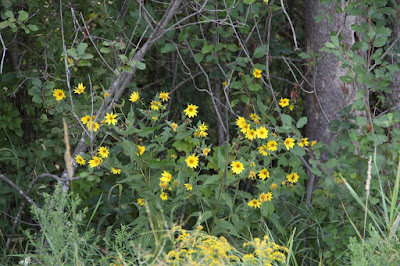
(163,185)
(254,117)
(140,201)
(251,134)
(203,134)
(284,102)
(272,145)
(252,164)
(237,167)
(292,178)
(106,94)
(103,152)
(265,197)
(263,174)
(313,143)
(191,110)
(188,187)
(291,107)
(110,118)
(245,128)
(262,150)
(273,186)
(174,126)
(257,73)
(289,143)
(134,96)
(141,149)
(86,119)
(262,133)
(95,162)
(192,161)
(59,94)
(304,142)
(94,126)
(254,203)
(79,160)
(80,89)
(266,1)
(163,196)
(224,83)
(154,105)
(206,151)
(154,118)
(115,171)
(164,96)
(252,174)
(203,127)
(165,177)
(240,122)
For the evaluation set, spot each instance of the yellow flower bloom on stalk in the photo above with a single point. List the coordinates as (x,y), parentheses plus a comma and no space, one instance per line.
(59,94)
(257,73)
(254,117)
(164,96)
(224,83)
(284,102)
(80,89)
(304,142)
(273,186)
(106,94)
(79,160)
(263,174)
(240,122)
(264,197)
(163,196)
(95,162)
(245,128)
(203,134)
(103,152)
(188,187)
(206,151)
(289,143)
(115,171)
(237,167)
(291,107)
(154,105)
(140,201)
(251,134)
(110,118)
(165,177)
(134,96)
(272,145)
(252,175)
(163,185)
(262,133)
(313,143)
(192,161)
(203,127)
(263,150)
(174,126)
(266,1)
(86,119)
(154,118)
(252,164)
(141,149)
(93,126)
(292,178)
(254,203)
(191,110)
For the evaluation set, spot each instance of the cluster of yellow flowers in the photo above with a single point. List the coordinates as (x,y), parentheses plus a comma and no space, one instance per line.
(194,247)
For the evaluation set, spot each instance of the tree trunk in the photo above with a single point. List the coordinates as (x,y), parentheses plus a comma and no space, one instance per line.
(330,93)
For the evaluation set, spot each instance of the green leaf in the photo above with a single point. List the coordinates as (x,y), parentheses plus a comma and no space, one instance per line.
(87,56)
(267,208)
(346,79)
(33,27)
(198,57)
(260,51)
(335,40)
(330,45)
(9,14)
(228,200)
(84,63)
(22,15)
(255,87)
(81,48)
(105,50)
(287,120)
(183,35)
(138,64)
(207,48)
(249,2)
(302,121)
(380,41)
(168,47)
(297,151)
(4,24)
(222,161)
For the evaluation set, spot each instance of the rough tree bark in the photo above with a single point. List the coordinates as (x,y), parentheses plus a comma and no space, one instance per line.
(330,93)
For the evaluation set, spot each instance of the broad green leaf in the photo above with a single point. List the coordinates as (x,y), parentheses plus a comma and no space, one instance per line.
(22,15)
(81,48)
(168,47)
(9,14)
(198,57)
(380,41)
(287,120)
(260,51)
(207,48)
(302,121)
(32,27)
(249,2)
